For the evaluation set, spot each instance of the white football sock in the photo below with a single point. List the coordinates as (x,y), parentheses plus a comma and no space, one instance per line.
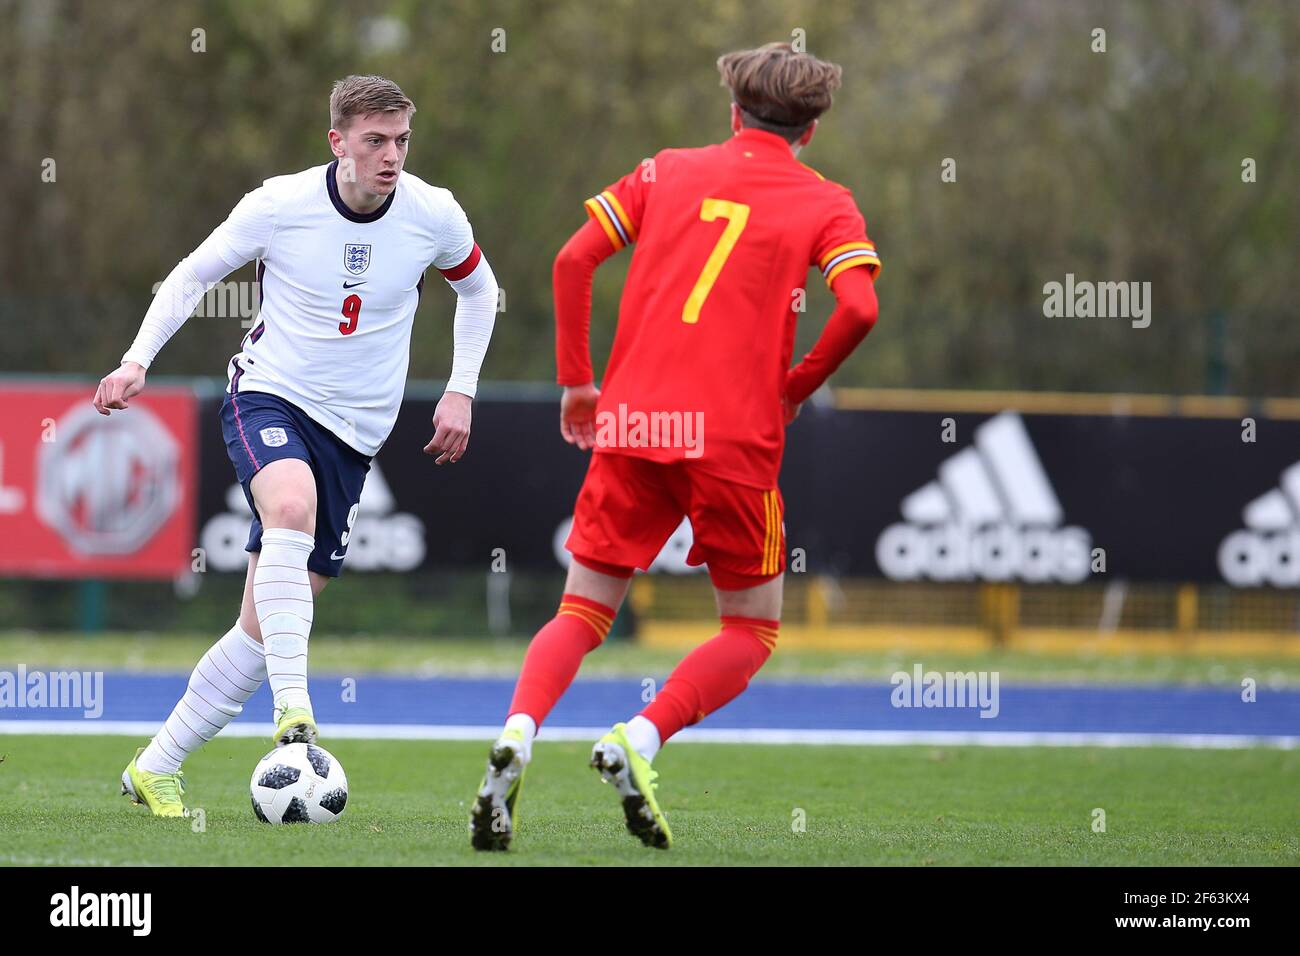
(528,727)
(226,676)
(282,595)
(643,735)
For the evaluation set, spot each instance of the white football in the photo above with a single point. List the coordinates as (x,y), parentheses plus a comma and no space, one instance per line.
(299,783)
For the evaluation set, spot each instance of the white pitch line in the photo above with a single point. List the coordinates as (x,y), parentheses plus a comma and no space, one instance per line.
(755,735)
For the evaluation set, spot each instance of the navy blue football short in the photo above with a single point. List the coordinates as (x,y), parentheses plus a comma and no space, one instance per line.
(261,428)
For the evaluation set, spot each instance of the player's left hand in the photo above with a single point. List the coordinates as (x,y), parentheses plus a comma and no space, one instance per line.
(450,428)
(791,411)
(578,415)
(118,387)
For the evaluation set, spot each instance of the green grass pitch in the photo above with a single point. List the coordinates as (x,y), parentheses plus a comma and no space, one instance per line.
(728,804)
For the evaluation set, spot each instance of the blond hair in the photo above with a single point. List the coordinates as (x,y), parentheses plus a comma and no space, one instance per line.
(355,96)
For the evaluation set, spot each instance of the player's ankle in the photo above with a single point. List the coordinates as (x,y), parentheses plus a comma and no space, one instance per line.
(643,735)
(289,699)
(156,763)
(526,727)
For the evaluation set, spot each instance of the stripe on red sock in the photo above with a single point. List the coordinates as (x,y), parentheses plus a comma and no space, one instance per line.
(712,675)
(600,617)
(556,652)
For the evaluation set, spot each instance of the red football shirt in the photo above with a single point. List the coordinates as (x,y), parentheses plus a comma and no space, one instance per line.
(724,236)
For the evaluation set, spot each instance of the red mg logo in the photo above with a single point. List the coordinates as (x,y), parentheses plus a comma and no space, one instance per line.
(108,484)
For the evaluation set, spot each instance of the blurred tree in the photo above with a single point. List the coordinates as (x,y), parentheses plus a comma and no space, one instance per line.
(1122,165)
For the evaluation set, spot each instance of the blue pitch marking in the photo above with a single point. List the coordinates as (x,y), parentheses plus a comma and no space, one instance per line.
(767,704)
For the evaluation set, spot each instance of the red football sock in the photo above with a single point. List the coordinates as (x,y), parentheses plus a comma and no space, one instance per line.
(712,675)
(555,653)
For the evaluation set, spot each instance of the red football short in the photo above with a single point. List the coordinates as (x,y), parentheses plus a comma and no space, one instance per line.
(628,507)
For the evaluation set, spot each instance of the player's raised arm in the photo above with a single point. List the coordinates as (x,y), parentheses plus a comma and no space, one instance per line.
(476,312)
(243,236)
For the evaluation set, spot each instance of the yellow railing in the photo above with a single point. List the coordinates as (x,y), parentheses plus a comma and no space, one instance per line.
(827,613)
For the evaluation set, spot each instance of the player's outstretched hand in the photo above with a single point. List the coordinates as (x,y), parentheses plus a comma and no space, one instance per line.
(119,385)
(578,415)
(450,428)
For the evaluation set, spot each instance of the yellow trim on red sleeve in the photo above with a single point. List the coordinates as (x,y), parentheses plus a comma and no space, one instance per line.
(597,212)
(871,263)
(824,261)
(622,214)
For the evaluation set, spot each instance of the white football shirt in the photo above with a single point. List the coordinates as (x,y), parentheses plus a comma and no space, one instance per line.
(339,291)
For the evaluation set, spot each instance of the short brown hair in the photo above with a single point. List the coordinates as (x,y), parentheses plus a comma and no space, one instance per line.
(778,89)
(363,95)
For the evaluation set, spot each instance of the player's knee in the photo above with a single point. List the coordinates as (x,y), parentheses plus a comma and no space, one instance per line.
(596,581)
(293,512)
(738,596)
(248,621)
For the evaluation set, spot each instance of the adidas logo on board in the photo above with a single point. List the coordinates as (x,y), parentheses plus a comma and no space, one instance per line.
(991,515)
(1267,551)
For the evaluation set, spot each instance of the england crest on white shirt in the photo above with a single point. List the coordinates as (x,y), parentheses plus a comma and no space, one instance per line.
(356,257)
